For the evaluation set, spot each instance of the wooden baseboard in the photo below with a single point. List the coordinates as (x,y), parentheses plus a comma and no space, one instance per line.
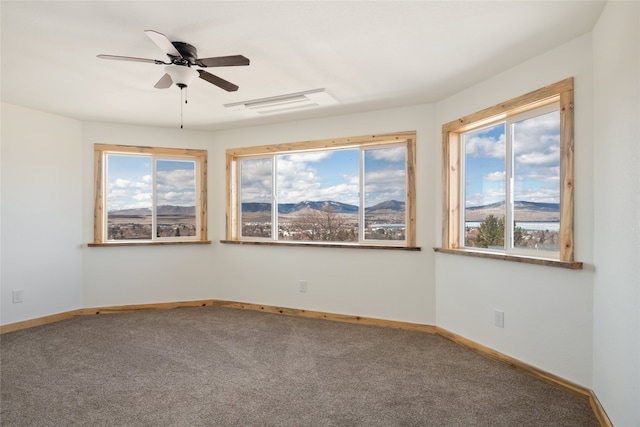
(369,321)
(552,379)
(146,307)
(39,321)
(599,411)
(547,377)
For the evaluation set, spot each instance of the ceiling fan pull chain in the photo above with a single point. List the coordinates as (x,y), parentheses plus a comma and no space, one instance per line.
(181,113)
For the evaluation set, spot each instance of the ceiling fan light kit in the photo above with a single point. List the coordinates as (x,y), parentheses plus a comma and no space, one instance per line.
(181,76)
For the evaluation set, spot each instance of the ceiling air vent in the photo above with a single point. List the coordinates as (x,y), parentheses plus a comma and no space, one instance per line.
(284,103)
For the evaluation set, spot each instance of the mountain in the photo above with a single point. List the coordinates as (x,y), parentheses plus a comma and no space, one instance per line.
(162,210)
(131,212)
(290,208)
(524,211)
(256,207)
(176,210)
(385,207)
(285,208)
(540,207)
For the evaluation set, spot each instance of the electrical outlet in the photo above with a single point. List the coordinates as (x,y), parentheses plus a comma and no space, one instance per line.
(303,286)
(17,296)
(499,318)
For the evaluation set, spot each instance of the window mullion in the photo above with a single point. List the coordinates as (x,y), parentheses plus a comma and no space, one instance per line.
(509,189)
(105,189)
(154,228)
(275,229)
(462,190)
(361,184)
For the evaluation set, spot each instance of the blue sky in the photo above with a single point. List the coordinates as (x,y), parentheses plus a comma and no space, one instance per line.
(327,175)
(129,182)
(536,153)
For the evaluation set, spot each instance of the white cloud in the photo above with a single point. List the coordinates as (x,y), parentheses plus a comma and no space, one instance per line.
(539,195)
(484,146)
(255,175)
(488,196)
(174,198)
(536,151)
(385,184)
(548,158)
(127,183)
(140,197)
(299,179)
(396,154)
(551,174)
(536,141)
(178,179)
(495,176)
(312,157)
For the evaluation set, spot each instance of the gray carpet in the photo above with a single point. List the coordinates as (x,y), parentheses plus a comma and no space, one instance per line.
(225,367)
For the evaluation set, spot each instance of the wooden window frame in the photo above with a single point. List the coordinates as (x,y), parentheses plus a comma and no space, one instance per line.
(100,153)
(232,182)
(561,92)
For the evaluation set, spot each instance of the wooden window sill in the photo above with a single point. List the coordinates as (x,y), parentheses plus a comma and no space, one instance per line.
(149,243)
(572,265)
(322,245)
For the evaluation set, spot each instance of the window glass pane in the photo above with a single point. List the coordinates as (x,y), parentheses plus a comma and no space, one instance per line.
(536,172)
(484,187)
(129,200)
(318,195)
(385,193)
(255,196)
(175,198)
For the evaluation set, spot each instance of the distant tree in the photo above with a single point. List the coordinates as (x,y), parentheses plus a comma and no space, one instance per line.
(490,232)
(518,235)
(324,224)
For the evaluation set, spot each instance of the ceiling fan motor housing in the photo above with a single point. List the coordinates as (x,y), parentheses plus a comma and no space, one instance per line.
(189,54)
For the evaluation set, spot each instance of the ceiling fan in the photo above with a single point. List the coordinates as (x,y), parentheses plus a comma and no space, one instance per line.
(182,57)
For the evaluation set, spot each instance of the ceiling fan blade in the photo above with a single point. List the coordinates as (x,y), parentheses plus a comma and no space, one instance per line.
(163,43)
(130,58)
(223,61)
(221,83)
(164,82)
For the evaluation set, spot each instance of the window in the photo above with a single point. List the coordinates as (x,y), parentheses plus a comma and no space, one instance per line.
(353,191)
(508,178)
(149,195)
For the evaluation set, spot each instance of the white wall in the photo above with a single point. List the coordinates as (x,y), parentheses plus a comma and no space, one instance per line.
(41,213)
(617,212)
(384,284)
(139,275)
(547,310)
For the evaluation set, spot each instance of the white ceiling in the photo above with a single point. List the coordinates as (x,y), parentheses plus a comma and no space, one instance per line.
(367,54)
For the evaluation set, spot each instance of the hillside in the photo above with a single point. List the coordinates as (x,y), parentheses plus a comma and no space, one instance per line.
(162,210)
(524,211)
(344,208)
